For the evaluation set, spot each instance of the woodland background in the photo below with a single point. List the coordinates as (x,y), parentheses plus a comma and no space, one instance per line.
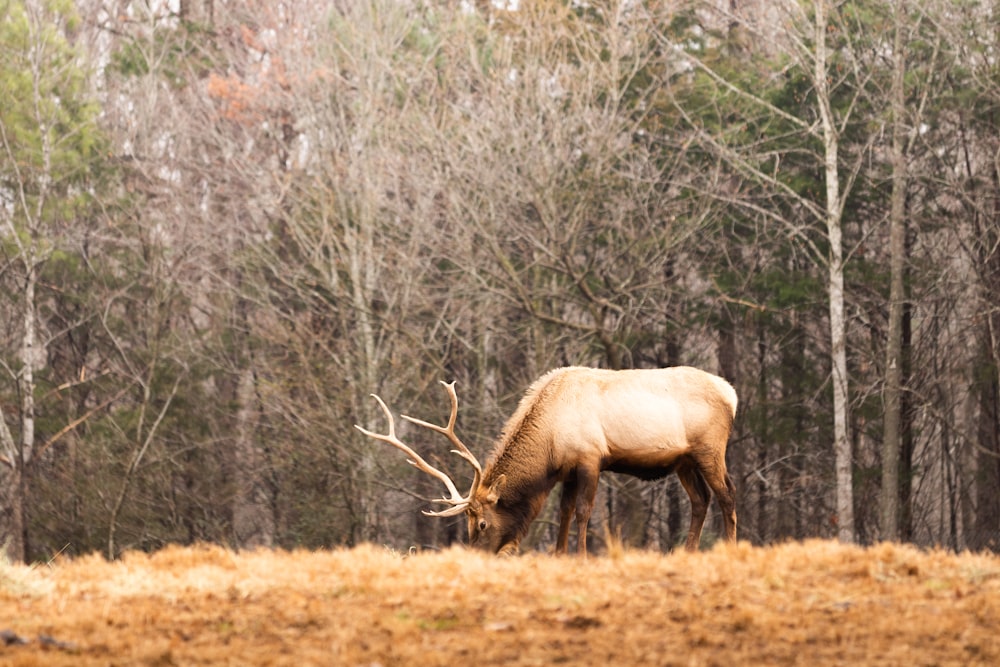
(224,224)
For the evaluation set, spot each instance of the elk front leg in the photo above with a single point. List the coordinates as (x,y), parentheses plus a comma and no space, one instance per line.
(566,504)
(586,482)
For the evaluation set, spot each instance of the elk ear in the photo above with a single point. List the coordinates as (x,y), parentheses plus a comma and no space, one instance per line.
(493,495)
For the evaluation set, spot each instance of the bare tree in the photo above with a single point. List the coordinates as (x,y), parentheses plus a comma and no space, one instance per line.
(837,83)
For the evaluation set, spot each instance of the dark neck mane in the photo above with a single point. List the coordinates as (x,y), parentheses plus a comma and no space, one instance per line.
(522,454)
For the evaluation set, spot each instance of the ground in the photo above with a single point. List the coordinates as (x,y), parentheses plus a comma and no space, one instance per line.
(812,603)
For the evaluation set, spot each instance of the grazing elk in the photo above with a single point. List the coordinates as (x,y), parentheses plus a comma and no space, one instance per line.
(575,422)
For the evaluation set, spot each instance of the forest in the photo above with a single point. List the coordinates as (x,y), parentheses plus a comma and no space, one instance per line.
(225,223)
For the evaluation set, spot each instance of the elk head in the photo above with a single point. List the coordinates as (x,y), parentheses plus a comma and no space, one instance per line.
(486,521)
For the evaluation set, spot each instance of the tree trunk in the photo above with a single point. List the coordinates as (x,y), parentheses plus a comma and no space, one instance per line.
(892,421)
(838,323)
(14,524)
(764,528)
(787,475)
(253,511)
(907,443)
(986,533)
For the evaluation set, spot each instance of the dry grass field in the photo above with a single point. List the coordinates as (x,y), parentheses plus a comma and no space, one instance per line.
(817,603)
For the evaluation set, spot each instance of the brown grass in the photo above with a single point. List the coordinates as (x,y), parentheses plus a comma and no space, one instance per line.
(817,603)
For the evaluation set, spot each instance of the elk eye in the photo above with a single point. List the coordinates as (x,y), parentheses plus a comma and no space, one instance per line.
(482,524)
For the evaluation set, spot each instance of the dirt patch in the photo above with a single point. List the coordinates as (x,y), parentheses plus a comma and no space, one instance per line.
(802,603)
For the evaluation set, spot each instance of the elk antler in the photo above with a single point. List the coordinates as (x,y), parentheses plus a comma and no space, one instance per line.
(449,432)
(457,501)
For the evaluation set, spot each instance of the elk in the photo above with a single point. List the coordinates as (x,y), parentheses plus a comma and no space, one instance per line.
(571,424)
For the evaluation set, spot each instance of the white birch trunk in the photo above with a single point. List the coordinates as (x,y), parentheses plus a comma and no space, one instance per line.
(838,323)
(29,356)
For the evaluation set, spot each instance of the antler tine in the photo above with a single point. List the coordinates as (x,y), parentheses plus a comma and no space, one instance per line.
(449,432)
(458,502)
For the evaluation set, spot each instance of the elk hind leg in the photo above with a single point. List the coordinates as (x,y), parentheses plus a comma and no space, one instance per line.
(699,493)
(716,476)
(725,493)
